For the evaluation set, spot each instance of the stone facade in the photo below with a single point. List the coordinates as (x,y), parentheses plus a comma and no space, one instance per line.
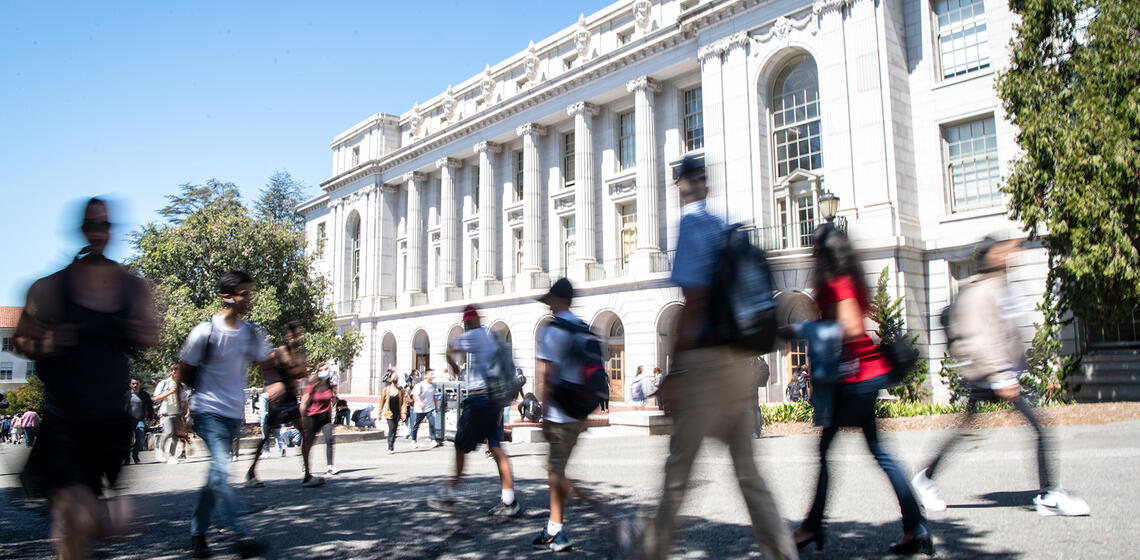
(557,162)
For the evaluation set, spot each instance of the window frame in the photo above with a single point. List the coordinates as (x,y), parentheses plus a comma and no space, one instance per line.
(569,159)
(952,206)
(777,106)
(697,142)
(7,371)
(622,137)
(984,61)
(520,172)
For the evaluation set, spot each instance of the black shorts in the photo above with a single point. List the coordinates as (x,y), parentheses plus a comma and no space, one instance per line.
(69,452)
(319,421)
(480,421)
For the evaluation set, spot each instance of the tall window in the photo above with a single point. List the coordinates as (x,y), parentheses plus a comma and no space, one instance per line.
(783,233)
(569,244)
(353,257)
(8,345)
(797,359)
(322,238)
(694,120)
(963,44)
(30,369)
(627,154)
(795,118)
(517,241)
(972,170)
(355,156)
(568,159)
(5,371)
(474,258)
(805,217)
(435,267)
(518,175)
(627,224)
(475,188)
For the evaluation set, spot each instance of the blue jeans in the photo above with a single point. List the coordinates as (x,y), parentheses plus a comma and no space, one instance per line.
(418,417)
(218,433)
(140,439)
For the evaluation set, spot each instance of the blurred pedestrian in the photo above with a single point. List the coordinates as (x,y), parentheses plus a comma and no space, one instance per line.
(392,408)
(841,294)
(423,407)
(214,361)
(141,408)
(317,405)
(172,397)
(79,325)
(480,419)
(637,390)
(987,346)
(30,421)
(280,395)
(710,389)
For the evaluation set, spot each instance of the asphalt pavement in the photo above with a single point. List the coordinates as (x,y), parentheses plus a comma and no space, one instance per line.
(376,507)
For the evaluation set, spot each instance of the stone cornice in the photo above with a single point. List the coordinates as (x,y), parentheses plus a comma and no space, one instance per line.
(531,128)
(582,108)
(644,83)
(722,46)
(414,176)
(447,162)
(487,146)
(822,7)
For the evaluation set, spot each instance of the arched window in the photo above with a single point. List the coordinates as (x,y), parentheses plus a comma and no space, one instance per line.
(352,256)
(795,117)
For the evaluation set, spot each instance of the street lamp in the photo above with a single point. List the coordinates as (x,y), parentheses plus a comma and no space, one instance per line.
(828,205)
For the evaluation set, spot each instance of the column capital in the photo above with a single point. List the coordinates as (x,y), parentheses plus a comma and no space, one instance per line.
(414,176)
(582,108)
(389,188)
(531,128)
(447,162)
(487,146)
(643,83)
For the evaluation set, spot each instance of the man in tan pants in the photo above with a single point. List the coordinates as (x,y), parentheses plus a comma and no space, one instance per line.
(711,389)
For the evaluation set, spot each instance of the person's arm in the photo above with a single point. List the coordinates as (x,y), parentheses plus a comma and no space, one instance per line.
(545,371)
(305,398)
(162,396)
(39,334)
(692,319)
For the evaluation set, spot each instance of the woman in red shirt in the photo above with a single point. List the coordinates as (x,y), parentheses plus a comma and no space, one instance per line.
(317,403)
(841,294)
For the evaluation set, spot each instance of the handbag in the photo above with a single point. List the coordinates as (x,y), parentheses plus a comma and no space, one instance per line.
(902,358)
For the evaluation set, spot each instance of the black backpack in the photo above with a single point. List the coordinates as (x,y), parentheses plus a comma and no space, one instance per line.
(578,400)
(742,306)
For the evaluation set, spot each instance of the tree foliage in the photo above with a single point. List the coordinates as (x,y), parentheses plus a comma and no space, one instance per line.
(1074,94)
(208,231)
(279,199)
(889,314)
(29,396)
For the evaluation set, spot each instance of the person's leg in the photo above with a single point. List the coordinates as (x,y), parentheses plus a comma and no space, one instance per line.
(503,462)
(431,425)
(415,420)
(814,521)
(1045,475)
(330,442)
(772,535)
(955,436)
(166,442)
(308,434)
(392,424)
(140,441)
(252,472)
(912,518)
(217,434)
(689,427)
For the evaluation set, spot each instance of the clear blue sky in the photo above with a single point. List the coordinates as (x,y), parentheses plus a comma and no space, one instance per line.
(129,100)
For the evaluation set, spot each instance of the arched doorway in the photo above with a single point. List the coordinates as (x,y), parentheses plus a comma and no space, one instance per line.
(501,332)
(539,330)
(667,335)
(421,351)
(387,361)
(609,326)
(791,307)
(352,257)
(453,335)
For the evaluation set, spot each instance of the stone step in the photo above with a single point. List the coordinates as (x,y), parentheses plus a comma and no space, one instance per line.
(651,422)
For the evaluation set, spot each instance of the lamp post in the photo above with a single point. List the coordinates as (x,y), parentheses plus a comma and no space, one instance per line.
(828,205)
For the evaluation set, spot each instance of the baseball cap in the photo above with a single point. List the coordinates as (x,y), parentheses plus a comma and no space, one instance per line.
(688,164)
(560,289)
(470,312)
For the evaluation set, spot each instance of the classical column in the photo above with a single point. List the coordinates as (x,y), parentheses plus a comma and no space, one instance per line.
(645,139)
(414,273)
(386,245)
(448,231)
(532,276)
(586,268)
(335,232)
(713,109)
(487,283)
(736,103)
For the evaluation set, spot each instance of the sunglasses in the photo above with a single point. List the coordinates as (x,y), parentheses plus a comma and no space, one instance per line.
(96,225)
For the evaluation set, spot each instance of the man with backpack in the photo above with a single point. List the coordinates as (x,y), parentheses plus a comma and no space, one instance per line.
(480,418)
(710,389)
(214,361)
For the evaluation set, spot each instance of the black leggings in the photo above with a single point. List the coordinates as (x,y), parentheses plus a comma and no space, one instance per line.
(1045,475)
(393,423)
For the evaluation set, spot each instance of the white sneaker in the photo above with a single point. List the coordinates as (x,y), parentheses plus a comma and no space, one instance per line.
(172,461)
(1059,502)
(927,492)
(332,470)
(254,483)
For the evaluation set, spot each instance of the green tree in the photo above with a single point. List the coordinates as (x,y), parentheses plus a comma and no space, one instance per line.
(279,199)
(1074,93)
(29,396)
(952,380)
(889,315)
(208,231)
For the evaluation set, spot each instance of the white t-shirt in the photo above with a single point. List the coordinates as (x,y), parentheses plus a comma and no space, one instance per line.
(221,381)
(170,406)
(554,347)
(481,349)
(426,392)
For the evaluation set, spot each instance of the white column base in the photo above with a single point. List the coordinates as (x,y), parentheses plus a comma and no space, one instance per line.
(587,271)
(483,287)
(648,261)
(444,294)
(532,280)
(412,299)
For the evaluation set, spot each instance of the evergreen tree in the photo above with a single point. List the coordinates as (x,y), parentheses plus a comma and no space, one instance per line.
(279,199)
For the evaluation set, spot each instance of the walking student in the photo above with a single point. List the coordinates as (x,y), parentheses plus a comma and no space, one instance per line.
(481,419)
(172,398)
(392,408)
(317,404)
(842,296)
(555,361)
(423,395)
(710,389)
(986,344)
(290,369)
(216,355)
(141,408)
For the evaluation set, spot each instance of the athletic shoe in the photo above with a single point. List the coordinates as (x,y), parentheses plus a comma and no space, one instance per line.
(332,470)
(557,543)
(313,482)
(249,548)
(444,500)
(437,444)
(927,492)
(172,461)
(233,459)
(507,510)
(391,451)
(253,482)
(282,451)
(1059,502)
(198,547)
(182,455)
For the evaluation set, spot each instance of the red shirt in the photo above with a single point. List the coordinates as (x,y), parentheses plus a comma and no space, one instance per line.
(872,363)
(320,402)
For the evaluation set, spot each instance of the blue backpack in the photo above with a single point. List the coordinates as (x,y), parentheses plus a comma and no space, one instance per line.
(578,400)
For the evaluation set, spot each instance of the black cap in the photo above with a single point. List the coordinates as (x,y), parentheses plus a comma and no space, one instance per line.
(560,289)
(688,164)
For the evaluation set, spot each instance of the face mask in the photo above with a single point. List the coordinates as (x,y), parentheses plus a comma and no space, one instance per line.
(228,300)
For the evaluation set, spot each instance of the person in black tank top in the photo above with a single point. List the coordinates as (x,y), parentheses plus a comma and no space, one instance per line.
(80,325)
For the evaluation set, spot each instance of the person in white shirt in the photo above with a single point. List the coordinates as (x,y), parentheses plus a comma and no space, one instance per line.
(172,397)
(480,419)
(423,397)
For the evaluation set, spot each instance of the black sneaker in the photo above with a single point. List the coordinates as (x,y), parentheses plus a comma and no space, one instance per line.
(557,543)
(198,547)
(512,509)
(248,547)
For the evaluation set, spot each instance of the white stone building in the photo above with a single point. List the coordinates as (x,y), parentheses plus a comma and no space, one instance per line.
(557,162)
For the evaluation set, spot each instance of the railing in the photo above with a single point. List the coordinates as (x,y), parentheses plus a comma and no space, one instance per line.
(350,307)
(790,236)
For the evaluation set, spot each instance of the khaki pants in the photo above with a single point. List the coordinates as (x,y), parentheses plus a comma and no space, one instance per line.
(715,392)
